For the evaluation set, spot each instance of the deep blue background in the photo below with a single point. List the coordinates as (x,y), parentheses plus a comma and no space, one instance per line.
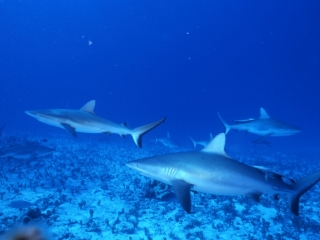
(186,60)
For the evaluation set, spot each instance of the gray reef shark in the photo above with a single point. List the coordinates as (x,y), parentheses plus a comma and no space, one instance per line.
(27,150)
(200,142)
(263,126)
(168,141)
(86,121)
(212,171)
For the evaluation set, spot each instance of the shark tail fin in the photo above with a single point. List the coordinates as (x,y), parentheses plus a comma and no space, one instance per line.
(225,124)
(138,132)
(193,141)
(301,187)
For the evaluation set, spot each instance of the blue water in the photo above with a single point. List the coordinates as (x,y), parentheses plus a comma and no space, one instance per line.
(143,60)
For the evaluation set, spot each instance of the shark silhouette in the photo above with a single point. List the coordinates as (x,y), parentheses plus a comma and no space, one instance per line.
(263,126)
(27,150)
(86,121)
(212,171)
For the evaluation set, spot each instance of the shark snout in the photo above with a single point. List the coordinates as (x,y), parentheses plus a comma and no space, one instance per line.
(132,165)
(31,113)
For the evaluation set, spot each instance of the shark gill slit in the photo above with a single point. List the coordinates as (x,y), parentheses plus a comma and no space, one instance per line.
(171,172)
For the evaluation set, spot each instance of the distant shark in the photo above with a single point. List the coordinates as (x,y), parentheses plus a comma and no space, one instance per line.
(168,141)
(85,120)
(212,171)
(200,142)
(263,126)
(2,129)
(27,150)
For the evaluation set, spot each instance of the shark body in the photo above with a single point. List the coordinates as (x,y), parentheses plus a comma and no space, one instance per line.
(168,141)
(212,171)
(263,126)
(200,142)
(86,121)
(26,151)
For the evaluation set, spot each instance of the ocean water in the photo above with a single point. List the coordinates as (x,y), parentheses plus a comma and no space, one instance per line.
(141,61)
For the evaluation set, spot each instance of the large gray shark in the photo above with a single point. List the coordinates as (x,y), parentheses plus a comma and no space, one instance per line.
(212,171)
(27,150)
(263,126)
(86,121)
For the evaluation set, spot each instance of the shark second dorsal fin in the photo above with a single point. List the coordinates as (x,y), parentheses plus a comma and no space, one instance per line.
(216,145)
(263,113)
(89,107)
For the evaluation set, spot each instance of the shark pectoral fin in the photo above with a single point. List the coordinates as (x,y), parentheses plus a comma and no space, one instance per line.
(261,139)
(276,197)
(138,132)
(69,129)
(255,196)
(182,191)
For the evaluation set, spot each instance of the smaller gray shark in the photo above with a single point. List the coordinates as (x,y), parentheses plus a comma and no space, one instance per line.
(263,126)
(201,142)
(86,121)
(168,141)
(27,150)
(212,171)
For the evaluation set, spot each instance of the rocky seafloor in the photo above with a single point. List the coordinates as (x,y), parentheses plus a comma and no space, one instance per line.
(85,191)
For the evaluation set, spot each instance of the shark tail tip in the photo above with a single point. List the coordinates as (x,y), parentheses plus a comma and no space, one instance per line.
(193,141)
(227,126)
(140,131)
(302,186)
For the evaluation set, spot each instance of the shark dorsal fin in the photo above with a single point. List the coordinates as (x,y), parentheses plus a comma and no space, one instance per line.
(89,106)
(216,145)
(263,113)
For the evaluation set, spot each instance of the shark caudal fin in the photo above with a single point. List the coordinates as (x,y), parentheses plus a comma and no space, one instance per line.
(302,186)
(193,141)
(225,124)
(138,132)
